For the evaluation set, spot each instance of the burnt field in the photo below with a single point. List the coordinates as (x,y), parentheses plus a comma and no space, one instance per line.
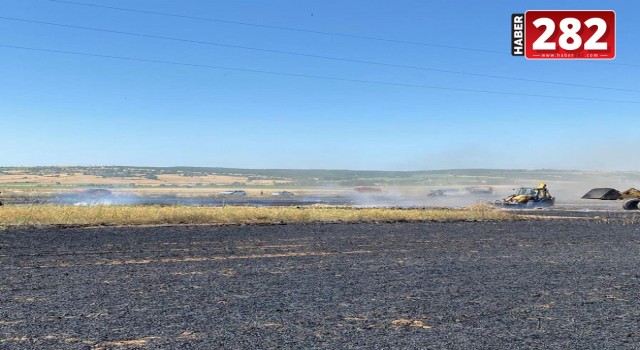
(561,284)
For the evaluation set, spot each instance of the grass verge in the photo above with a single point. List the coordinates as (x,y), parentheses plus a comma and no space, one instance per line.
(180,215)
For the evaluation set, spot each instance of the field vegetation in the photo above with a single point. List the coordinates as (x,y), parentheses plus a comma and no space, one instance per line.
(186,215)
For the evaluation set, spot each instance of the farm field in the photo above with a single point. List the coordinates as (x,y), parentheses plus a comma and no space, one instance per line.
(203,186)
(547,284)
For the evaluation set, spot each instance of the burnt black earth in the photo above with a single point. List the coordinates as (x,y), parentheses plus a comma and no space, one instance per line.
(549,284)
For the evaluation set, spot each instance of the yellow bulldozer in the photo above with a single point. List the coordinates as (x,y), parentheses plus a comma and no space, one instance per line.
(529,197)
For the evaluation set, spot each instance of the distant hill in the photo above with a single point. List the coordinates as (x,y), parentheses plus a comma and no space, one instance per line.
(214,176)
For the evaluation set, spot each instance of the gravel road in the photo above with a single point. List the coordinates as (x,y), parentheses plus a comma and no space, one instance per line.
(551,284)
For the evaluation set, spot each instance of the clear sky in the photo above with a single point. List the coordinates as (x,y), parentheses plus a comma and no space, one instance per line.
(59,109)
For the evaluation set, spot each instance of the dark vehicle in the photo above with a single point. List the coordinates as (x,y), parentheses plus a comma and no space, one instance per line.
(527,197)
(603,194)
(631,204)
(480,189)
(282,194)
(631,196)
(436,193)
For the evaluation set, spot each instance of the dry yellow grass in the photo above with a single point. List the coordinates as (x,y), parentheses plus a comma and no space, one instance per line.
(176,215)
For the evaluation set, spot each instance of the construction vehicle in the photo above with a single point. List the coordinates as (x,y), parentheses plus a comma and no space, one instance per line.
(631,204)
(630,196)
(606,194)
(528,197)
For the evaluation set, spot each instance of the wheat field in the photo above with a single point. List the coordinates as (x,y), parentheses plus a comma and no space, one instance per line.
(185,215)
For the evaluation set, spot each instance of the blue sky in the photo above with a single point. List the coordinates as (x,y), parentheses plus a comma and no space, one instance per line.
(58,109)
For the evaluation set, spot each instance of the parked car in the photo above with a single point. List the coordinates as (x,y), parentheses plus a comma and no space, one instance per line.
(235,193)
(283,194)
(480,189)
(436,193)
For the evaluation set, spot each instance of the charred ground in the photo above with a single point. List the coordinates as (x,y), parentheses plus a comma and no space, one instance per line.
(525,284)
